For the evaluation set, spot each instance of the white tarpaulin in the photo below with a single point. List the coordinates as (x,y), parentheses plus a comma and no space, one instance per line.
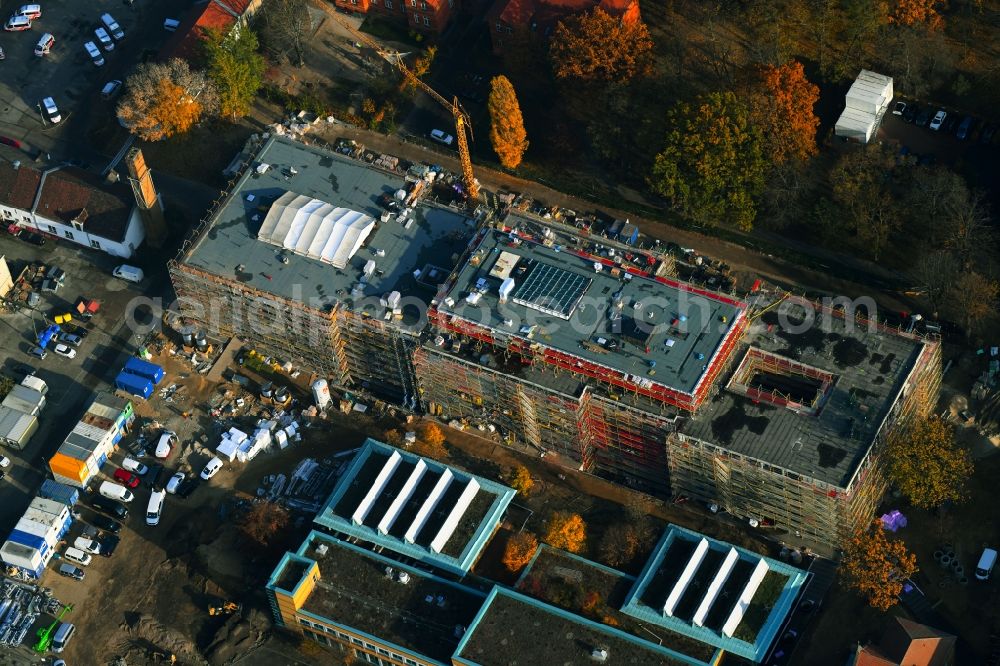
(230,444)
(315,229)
(249,449)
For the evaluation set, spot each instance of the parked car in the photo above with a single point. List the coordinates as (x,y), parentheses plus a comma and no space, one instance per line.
(923,117)
(165,444)
(17,23)
(79,331)
(898,108)
(39,353)
(112,26)
(111,88)
(174,483)
(104,39)
(965,128)
(70,339)
(442,137)
(95,53)
(77,556)
(133,465)
(109,507)
(64,350)
(44,45)
(87,545)
(938,119)
(910,113)
(106,524)
(70,571)
(211,469)
(51,110)
(154,510)
(948,127)
(109,543)
(4,462)
(127,479)
(33,12)
(22,370)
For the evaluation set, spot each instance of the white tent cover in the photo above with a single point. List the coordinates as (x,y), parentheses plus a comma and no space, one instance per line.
(315,229)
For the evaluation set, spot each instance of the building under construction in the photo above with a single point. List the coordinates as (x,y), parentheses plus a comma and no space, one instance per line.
(576,345)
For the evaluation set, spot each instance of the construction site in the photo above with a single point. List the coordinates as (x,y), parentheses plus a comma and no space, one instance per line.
(581,347)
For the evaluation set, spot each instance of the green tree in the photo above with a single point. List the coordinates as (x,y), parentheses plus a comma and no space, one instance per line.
(506,124)
(236,68)
(712,166)
(927,465)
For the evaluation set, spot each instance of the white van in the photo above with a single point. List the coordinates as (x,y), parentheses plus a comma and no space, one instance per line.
(116,492)
(87,545)
(112,26)
(94,53)
(44,45)
(155,508)
(986,562)
(134,466)
(130,273)
(104,39)
(77,556)
(62,636)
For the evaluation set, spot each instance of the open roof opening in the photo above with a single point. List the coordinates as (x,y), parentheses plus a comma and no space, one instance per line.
(767,377)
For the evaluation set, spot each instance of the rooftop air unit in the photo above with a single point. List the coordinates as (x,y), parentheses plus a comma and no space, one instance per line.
(599,654)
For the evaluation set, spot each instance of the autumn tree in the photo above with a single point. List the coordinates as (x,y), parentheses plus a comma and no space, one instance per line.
(876,566)
(863,186)
(236,68)
(430,441)
(393,437)
(781,106)
(519,550)
(420,67)
(285,27)
(972,299)
(566,530)
(166,98)
(519,478)
(917,12)
(926,463)
(506,124)
(595,47)
(6,386)
(712,166)
(263,522)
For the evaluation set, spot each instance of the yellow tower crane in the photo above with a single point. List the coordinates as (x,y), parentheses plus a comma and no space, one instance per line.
(463,126)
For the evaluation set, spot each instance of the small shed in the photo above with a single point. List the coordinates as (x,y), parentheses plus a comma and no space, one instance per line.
(16,428)
(866,104)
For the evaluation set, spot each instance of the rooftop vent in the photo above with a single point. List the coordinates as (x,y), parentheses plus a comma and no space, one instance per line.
(403,578)
(599,654)
(321,549)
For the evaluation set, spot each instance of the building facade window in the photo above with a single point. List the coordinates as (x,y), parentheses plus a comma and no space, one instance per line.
(499,27)
(52,230)
(416,19)
(388,4)
(68,234)
(413,3)
(423,5)
(94,244)
(427,21)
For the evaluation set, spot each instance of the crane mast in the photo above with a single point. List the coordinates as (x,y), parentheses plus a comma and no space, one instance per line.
(463,125)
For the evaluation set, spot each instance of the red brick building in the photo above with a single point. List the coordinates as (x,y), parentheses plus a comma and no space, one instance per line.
(428,16)
(222,15)
(508,18)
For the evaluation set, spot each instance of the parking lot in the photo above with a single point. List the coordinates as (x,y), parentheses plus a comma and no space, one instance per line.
(67,73)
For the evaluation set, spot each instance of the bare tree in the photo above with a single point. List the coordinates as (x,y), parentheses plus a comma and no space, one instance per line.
(285,28)
(969,229)
(934,274)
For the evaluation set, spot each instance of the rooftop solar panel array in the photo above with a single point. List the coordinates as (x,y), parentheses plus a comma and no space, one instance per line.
(552,290)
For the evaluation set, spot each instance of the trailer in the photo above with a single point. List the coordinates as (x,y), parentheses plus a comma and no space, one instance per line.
(140,368)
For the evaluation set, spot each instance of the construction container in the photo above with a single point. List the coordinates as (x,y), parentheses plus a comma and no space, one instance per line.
(30,540)
(16,428)
(75,452)
(28,560)
(33,382)
(76,483)
(59,492)
(57,509)
(151,371)
(25,399)
(134,384)
(67,467)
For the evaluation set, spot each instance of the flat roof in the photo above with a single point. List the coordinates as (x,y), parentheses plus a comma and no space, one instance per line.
(565,580)
(229,247)
(714,592)
(656,330)
(870,369)
(416,507)
(513,628)
(425,614)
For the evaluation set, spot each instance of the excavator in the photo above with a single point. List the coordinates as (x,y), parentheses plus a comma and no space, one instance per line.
(225,608)
(463,125)
(45,633)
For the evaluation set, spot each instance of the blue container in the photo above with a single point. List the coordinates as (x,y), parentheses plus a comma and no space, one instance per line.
(134,384)
(151,371)
(103,459)
(66,525)
(29,540)
(118,437)
(59,492)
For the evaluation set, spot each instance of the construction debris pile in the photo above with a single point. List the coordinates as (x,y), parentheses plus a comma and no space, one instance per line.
(309,484)
(20,607)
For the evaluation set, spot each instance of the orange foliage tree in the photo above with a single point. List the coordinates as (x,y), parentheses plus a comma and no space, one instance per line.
(430,441)
(519,478)
(566,530)
(917,12)
(596,47)
(506,124)
(164,99)
(877,567)
(520,549)
(782,108)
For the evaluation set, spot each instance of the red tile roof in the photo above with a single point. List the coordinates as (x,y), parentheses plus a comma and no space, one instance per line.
(185,42)
(908,643)
(18,186)
(67,192)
